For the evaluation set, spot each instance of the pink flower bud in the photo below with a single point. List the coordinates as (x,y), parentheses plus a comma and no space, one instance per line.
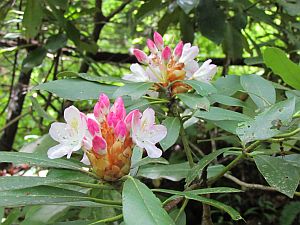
(140,56)
(105,103)
(99,145)
(119,108)
(178,50)
(130,116)
(93,126)
(152,46)
(112,119)
(87,143)
(166,54)
(159,42)
(121,130)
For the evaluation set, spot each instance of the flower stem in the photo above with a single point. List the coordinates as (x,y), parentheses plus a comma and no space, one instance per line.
(107,220)
(186,146)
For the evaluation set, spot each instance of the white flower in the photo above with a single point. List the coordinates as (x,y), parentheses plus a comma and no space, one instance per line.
(206,72)
(145,133)
(138,74)
(69,135)
(189,53)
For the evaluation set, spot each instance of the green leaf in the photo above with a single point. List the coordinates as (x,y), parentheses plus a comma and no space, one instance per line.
(76,89)
(32,18)
(281,65)
(40,111)
(13,215)
(40,195)
(228,85)
(148,160)
(291,7)
(194,101)
(206,160)
(261,91)
(137,154)
(193,196)
(55,42)
(279,173)
(226,100)
(174,172)
(167,19)
(186,28)
(181,220)
(173,126)
(289,213)
(218,114)
(211,20)
(268,123)
(1,213)
(33,59)
(233,42)
(141,206)
(134,90)
(38,160)
(203,191)
(201,88)
(148,8)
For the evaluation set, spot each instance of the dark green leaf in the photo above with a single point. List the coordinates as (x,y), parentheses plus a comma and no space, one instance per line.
(167,19)
(226,100)
(33,59)
(187,6)
(261,91)
(38,160)
(289,213)
(76,89)
(186,28)
(211,20)
(41,112)
(134,90)
(279,173)
(33,16)
(173,126)
(206,160)
(141,206)
(148,8)
(56,42)
(281,65)
(148,160)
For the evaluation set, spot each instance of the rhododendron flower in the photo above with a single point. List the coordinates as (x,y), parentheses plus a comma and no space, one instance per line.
(108,136)
(165,66)
(69,135)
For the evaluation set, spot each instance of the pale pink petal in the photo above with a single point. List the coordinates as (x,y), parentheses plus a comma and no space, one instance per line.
(157,133)
(85,160)
(99,145)
(58,151)
(120,130)
(59,131)
(188,53)
(148,118)
(129,117)
(190,68)
(152,47)
(119,109)
(152,150)
(93,126)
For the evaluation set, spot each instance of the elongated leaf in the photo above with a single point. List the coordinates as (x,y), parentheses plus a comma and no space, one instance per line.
(173,126)
(41,112)
(228,85)
(193,196)
(196,170)
(33,59)
(261,91)
(148,160)
(279,173)
(134,90)
(38,160)
(218,114)
(194,101)
(174,172)
(268,123)
(201,88)
(147,208)
(33,16)
(211,20)
(56,42)
(204,191)
(76,89)
(226,100)
(281,65)
(289,213)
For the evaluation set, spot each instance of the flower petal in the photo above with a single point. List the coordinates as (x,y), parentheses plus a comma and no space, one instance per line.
(152,150)
(148,119)
(59,131)
(58,151)
(157,133)
(72,116)
(85,160)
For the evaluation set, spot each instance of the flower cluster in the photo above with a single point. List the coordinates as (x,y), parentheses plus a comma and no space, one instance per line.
(107,136)
(165,66)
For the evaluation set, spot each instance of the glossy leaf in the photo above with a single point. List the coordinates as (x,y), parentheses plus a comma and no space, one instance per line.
(33,59)
(56,42)
(261,91)
(279,173)
(148,160)
(41,112)
(141,206)
(219,114)
(281,65)
(226,100)
(289,213)
(173,126)
(228,85)
(76,89)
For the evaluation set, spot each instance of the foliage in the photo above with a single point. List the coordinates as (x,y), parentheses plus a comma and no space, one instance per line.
(235,135)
